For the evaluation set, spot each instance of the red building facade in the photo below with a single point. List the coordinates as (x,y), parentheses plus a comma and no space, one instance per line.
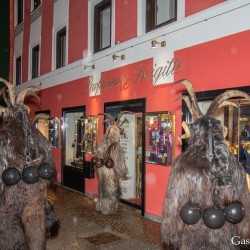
(207,43)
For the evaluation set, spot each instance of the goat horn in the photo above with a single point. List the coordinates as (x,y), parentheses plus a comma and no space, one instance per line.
(122,113)
(40,116)
(27,91)
(5,97)
(190,89)
(11,90)
(228,103)
(187,132)
(223,97)
(112,120)
(193,112)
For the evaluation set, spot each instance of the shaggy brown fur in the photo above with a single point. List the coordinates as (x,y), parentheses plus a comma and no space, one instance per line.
(109,179)
(194,179)
(24,216)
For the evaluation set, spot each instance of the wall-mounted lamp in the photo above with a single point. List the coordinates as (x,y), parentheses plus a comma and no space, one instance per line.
(89,66)
(116,56)
(154,42)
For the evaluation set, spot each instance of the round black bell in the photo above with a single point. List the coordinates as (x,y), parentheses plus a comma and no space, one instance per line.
(11,176)
(98,162)
(45,171)
(213,218)
(109,163)
(190,214)
(234,212)
(30,175)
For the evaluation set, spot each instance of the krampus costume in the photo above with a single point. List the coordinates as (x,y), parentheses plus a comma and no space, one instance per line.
(207,201)
(26,169)
(110,168)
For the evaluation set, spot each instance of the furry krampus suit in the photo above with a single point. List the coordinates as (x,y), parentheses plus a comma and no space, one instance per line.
(110,168)
(25,214)
(205,175)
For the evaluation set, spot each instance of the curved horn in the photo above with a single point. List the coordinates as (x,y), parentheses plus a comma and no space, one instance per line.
(223,97)
(190,89)
(40,116)
(228,103)
(11,90)
(193,112)
(27,91)
(112,120)
(5,97)
(122,113)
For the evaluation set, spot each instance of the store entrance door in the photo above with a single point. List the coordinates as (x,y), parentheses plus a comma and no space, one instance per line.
(133,144)
(72,157)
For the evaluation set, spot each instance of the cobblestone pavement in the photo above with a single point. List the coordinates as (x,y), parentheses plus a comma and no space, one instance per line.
(84,228)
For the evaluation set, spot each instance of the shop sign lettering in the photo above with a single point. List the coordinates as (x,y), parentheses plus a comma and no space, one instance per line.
(141,73)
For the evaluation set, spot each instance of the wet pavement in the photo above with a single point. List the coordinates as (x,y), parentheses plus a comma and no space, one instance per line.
(84,228)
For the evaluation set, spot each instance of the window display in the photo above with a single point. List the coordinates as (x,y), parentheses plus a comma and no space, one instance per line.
(84,139)
(159,138)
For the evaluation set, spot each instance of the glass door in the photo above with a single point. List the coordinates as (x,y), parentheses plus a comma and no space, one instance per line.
(72,167)
(133,144)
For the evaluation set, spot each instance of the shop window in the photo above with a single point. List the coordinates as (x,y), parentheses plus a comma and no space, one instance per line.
(19,11)
(61,48)
(18,70)
(235,117)
(35,61)
(159,13)
(102,25)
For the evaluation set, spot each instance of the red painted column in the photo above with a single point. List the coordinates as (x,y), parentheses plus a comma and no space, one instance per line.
(46,37)
(78,30)
(26,41)
(194,6)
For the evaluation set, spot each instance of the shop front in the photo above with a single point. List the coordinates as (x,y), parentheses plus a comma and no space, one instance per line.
(207,49)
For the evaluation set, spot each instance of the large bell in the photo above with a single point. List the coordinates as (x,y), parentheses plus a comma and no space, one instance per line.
(30,175)
(11,176)
(45,171)
(213,218)
(234,212)
(109,163)
(98,162)
(190,214)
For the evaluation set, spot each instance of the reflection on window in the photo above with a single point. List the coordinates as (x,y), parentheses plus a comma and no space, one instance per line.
(61,48)
(102,26)
(19,11)
(159,13)
(36,3)
(35,61)
(18,70)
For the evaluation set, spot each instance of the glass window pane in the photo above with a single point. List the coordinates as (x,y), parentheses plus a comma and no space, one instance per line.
(105,27)
(164,11)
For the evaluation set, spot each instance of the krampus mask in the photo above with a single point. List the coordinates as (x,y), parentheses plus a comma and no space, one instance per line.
(110,168)
(207,201)
(26,170)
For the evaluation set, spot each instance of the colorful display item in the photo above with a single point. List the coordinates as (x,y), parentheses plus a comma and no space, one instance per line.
(159,138)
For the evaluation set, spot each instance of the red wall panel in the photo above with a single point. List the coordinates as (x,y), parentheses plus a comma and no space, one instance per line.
(26,41)
(46,40)
(78,30)
(125,20)
(218,64)
(194,6)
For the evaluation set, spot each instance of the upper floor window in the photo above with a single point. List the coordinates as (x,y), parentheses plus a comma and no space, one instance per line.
(18,70)
(36,3)
(61,48)
(19,11)
(102,25)
(159,13)
(35,61)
